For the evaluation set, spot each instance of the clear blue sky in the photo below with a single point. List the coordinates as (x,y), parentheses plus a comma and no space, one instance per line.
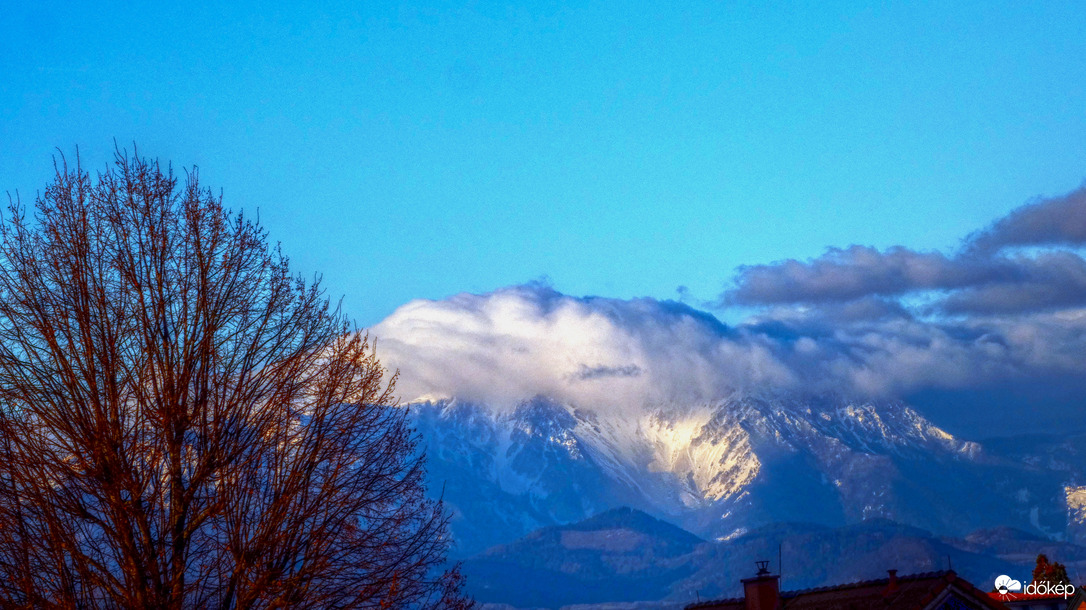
(420,150)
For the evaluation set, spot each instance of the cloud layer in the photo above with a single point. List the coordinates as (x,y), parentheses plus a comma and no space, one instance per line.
(1025,262)
(1008,308)
(518,342)
(1060,221)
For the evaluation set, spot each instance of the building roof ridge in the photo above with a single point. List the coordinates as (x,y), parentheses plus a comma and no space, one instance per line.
(868,583)
(789,595)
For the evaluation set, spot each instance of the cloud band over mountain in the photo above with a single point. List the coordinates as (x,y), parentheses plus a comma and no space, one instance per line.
(1008,308)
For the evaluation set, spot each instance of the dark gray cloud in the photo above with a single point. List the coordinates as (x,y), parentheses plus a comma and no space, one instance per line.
(852,273)
(1059,221)
(1045,282)
(984,277)
(589,373)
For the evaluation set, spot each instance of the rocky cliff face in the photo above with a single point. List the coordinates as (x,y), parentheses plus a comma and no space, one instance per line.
(1075,496)
(723,468)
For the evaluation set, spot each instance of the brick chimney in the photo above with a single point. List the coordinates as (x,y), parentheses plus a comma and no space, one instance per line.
(762,592)
(891,585)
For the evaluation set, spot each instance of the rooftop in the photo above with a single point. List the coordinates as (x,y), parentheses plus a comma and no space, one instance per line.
(911,592)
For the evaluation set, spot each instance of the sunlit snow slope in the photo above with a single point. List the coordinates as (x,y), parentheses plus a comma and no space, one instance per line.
(722,468)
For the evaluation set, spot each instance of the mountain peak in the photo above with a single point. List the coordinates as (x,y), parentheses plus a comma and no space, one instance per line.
(625,517)
(718,469)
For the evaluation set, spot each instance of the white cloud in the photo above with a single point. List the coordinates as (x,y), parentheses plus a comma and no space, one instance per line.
(523,341)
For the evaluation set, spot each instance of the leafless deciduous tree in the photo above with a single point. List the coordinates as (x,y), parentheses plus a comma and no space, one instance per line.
(186,424)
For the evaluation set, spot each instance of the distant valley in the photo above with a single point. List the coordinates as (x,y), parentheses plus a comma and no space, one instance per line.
(624,558)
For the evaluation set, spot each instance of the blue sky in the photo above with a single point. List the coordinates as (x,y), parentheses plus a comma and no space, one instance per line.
(421,150)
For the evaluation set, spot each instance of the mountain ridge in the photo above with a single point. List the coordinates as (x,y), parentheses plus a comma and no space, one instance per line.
(549,568)
(721,468)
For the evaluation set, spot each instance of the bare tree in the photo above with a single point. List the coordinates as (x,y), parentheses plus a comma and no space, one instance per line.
(186,424)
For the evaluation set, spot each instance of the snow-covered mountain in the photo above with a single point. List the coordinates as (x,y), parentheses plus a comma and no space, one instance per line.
(722,468)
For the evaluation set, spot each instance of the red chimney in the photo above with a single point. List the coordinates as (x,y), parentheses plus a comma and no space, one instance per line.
(891,586)
(762,592)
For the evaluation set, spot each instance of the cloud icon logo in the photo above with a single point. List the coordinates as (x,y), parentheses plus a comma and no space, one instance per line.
(1005,584)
